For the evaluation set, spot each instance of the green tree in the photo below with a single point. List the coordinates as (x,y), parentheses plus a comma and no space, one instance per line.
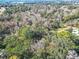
(17,44)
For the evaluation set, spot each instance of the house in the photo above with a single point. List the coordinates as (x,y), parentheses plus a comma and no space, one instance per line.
(2,9)
(75,31)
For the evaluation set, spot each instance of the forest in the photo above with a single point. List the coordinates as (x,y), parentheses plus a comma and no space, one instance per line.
(31,31)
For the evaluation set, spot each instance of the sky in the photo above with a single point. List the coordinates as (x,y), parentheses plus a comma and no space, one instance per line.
(36,0)
(33,0)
